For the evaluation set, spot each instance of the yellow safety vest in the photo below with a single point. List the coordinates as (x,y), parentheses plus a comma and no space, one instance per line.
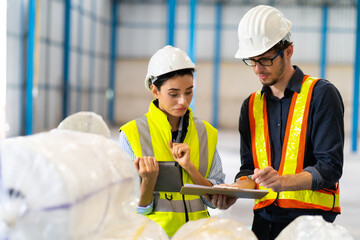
(292,157)
(149,136)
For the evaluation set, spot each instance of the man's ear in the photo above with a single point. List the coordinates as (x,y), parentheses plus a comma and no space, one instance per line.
(154,90)
(289,51)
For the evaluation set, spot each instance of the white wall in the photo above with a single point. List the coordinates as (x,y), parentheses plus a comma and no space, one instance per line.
(236,81)
(142,30)
(88,64)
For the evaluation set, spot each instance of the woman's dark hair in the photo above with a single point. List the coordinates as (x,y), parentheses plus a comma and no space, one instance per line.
(163,78)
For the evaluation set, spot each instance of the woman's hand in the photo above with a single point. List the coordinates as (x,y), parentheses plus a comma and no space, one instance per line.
(181,154)
(221,201)
(148,168)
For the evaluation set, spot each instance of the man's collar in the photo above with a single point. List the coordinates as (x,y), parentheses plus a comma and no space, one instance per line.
(294,84)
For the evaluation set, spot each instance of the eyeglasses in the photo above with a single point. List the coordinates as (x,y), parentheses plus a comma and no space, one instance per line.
(262,61)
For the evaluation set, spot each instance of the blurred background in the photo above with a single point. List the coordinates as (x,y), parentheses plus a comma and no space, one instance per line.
(66,56)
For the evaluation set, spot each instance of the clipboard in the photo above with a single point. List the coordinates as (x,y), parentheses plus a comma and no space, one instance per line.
(169,178)
(193,189)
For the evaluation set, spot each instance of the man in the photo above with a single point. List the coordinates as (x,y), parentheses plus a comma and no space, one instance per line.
(292,131)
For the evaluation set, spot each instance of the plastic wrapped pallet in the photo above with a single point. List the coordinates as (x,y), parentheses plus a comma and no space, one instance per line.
(214,228)
(313,228)
(89,122)
(64,184)
(138,227)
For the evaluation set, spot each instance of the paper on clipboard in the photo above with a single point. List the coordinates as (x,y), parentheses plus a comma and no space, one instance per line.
(193,189)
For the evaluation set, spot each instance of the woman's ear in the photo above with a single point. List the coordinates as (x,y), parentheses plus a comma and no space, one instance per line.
(154,91)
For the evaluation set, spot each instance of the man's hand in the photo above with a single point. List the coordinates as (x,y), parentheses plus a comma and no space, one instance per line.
(269,178)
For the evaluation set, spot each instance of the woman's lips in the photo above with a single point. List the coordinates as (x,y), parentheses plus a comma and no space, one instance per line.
(181,109)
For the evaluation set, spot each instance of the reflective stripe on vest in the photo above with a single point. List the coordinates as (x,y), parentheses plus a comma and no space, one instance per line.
(165,205)
(292,157)
(203,146)
(144,135)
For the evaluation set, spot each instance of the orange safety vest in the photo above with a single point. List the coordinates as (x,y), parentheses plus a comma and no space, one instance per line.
(292,157)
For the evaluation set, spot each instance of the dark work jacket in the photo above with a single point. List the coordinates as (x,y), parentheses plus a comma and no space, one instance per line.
(325,131)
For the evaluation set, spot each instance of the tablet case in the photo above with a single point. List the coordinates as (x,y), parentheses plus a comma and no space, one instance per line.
(169,178)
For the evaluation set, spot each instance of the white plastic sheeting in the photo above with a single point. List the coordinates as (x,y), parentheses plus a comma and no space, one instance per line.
(138,228)
(89,122)
(313,228)
(214,228)
(3,50)
(65,185)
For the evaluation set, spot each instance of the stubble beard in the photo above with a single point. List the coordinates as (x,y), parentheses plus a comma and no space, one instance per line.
(278,73)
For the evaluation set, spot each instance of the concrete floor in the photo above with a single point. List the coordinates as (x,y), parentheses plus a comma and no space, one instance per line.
(228,147)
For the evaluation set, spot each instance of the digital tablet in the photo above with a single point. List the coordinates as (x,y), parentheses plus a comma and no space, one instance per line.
(169,178)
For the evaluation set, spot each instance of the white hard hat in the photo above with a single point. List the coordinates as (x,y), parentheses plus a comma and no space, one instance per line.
(260,29)
(166,60)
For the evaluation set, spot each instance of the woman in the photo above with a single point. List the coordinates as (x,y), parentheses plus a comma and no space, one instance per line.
(169,132)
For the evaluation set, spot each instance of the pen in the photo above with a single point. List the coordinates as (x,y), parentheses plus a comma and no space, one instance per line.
(245,177)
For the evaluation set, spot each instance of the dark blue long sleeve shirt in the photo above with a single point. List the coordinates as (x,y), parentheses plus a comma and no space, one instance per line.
(325,131)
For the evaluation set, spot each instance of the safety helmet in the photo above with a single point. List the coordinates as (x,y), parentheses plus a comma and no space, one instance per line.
(260,29)
(165,60)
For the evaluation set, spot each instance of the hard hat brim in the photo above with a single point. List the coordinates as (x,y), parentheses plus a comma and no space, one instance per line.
(148,78)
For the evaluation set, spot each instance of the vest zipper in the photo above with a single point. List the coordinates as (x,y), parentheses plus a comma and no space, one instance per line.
(183,197)
(186,212)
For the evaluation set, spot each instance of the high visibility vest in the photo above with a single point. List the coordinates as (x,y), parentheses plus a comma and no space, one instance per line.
(292,157)
(150,136)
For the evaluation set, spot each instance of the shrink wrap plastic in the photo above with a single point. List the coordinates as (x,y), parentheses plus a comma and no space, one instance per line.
(139,228)
(65,184)
(89,122)
(313,228)
(214,228)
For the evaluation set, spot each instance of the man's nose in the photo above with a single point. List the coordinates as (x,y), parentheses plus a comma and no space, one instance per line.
(258,67)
